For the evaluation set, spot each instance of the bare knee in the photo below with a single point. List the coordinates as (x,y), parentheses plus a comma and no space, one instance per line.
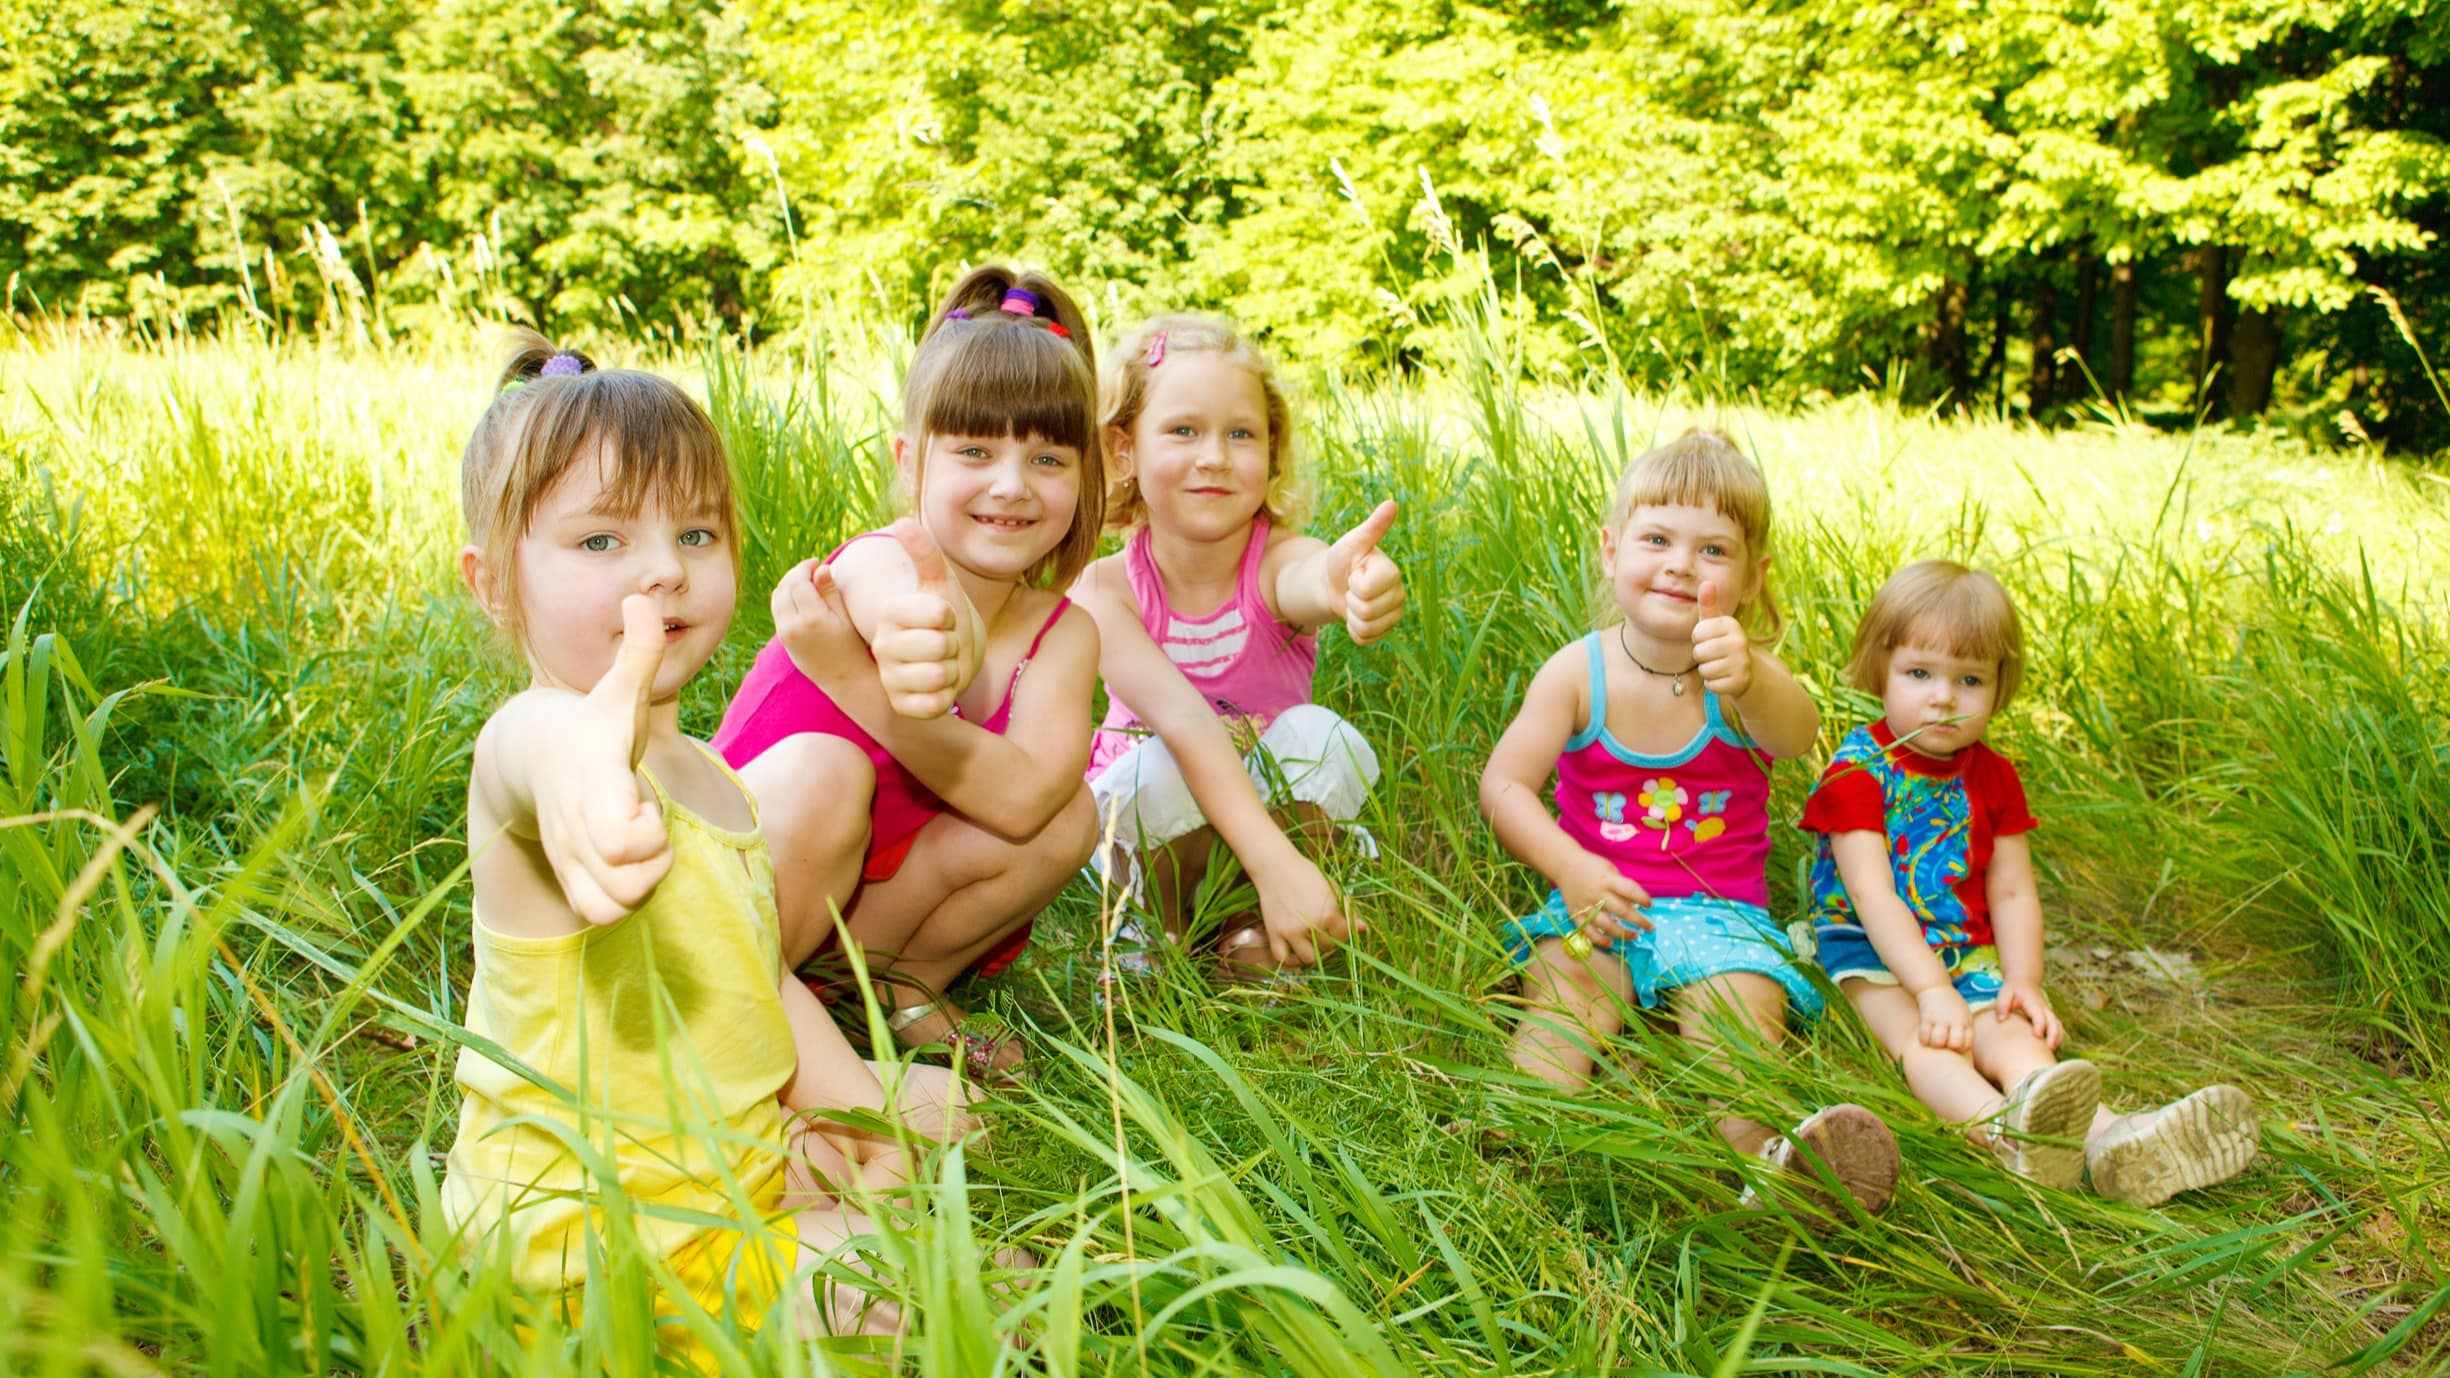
(1071,835)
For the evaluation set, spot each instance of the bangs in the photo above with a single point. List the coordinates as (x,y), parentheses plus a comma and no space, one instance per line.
(986,379)
(1970,618)
(1699,470)
(659,446)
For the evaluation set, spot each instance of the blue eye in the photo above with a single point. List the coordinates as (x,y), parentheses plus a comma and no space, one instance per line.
(599,543)
(1971,681)
(1052,461)
(698,536)
(1183,431)
(1918,672)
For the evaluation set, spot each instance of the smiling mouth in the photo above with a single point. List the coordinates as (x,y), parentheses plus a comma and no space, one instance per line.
(1006,523)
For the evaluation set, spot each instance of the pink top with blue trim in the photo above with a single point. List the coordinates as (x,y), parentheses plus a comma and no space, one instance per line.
(1249,663)
(1691,822)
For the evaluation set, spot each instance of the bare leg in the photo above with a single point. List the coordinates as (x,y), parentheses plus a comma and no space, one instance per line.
(1571,1005)
(1174,871)
(1945,1080)
(812,795)
(1712,1014)
(961,891)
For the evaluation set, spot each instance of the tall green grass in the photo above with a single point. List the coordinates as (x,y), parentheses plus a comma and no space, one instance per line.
(239,684)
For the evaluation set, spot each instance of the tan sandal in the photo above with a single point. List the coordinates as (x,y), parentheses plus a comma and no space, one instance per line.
(973,1052)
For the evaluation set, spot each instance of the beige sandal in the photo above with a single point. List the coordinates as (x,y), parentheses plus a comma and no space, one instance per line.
(973,1052)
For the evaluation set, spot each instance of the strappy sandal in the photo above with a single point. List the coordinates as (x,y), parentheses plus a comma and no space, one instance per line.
(973,1052)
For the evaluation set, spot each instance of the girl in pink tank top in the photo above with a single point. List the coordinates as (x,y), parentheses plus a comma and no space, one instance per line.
(916,729)
(1660,730)
(1207,623)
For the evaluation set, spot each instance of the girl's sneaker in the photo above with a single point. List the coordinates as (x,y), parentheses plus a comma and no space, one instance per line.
(2149,1156)
(1841,1146)
(2041,1130)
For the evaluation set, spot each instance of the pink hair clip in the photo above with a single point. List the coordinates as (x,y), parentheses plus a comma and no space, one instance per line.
(1156,350)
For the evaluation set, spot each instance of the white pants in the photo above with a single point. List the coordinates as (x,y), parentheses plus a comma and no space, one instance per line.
(1308,755)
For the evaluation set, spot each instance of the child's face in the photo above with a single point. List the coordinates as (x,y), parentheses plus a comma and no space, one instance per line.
(1199,446)
(1658,560)
(576,562)
(1938,702)
(996,505)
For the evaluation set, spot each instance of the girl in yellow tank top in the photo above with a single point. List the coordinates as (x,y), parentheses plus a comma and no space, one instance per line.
(638,1050)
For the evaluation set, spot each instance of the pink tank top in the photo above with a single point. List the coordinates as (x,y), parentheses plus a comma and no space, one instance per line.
(1248,662)
(1692,822)
(776,701)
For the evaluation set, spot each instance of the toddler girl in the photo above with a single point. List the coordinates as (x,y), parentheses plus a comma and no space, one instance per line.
(1208,623)
(627,955)
(1926,916)
(1660,731)
(916,729)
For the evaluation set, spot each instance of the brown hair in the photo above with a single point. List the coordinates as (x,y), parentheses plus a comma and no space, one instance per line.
(659,444)
(1125,396)
(984,370)
(1943,605)
(1703,468)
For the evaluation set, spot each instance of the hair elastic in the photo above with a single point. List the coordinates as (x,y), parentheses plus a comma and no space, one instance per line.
(1156,350)
(958,313)
(1020,301)
(1055,328)
(562,366)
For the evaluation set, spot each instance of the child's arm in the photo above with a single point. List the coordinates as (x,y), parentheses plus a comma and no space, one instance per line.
(2016,925)
(1596,893)
(1773,709)
(1297,905)
(926,639)
(1010,789)
(1863,865)
(1352,581)
(562,769)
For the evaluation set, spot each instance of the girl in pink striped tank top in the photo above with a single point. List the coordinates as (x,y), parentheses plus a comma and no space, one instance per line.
(1208,637)
(1660,730)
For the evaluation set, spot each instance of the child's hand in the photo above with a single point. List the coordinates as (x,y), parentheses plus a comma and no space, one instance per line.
(814,625)
(1364,581)
(1300,911)
(2035,1006)
(1603,901)
(1721,650)
(603,835)
(1947,1021)
(921,656)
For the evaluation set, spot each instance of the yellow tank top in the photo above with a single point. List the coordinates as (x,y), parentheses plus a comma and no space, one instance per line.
(660,1041)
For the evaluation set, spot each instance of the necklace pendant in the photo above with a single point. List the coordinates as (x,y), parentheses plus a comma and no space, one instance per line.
(1676,685)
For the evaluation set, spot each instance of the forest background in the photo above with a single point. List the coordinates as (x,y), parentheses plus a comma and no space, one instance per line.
(2190,207)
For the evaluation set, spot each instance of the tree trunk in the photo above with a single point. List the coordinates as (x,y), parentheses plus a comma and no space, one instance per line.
(2088,297)
(1995,364)
(2214,313)
(2254,356)
(2043,387)
(2122,329)
(1947,331)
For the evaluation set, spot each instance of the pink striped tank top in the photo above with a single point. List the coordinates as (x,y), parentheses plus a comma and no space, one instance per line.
(1691,822)
(1249,663)
(776,700)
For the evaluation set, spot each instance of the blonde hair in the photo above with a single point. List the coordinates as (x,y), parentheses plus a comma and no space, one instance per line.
(1702,468)
(1125,396)
(1943,605)
(657,442)
(984,370)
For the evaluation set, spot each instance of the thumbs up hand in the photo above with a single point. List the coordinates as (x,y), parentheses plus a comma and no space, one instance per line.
(1721,650)
(924,655)
(600,831)
(1364,580)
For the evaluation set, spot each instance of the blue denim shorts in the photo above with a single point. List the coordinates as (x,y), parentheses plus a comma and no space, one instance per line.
(1846,951)
(1692,938)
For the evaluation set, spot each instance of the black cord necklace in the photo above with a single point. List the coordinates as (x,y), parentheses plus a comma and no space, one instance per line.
(1674,678)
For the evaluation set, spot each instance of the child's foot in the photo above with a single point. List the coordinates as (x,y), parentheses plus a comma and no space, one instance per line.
(1243,958)
(2041,1130)
(1841,1146)
(2149,1156)
(988,1058)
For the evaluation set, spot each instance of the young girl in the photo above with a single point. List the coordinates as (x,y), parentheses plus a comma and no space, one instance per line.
(919,766)
(1660,731)
(627,954)
(1207,621)
(1926,915)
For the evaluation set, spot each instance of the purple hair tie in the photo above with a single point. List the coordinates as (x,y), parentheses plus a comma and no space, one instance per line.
(1020,301)
(958,313)
(562,366)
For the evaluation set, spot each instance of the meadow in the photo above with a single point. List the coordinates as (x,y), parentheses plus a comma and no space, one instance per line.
(240,684)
